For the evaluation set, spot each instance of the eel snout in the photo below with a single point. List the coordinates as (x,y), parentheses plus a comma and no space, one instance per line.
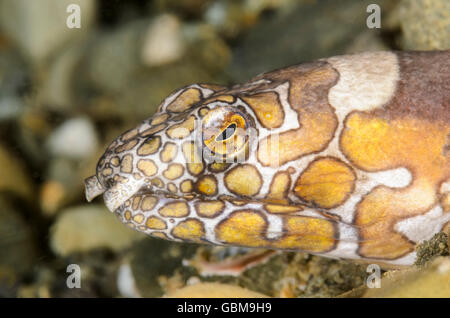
(93,188)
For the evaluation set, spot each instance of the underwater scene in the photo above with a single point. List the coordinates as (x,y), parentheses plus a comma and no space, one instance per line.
(228,149)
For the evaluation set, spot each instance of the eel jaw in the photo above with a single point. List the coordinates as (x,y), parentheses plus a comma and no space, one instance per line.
(117,195)
(93,188)
(113,196)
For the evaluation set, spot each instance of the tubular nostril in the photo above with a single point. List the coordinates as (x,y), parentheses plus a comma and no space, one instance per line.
(93,188)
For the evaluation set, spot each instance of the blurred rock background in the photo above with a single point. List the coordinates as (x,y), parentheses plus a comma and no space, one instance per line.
(66,93)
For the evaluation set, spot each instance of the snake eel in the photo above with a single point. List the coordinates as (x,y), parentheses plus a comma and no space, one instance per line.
(345,157)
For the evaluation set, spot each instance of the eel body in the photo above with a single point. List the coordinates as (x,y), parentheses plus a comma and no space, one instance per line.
(347,157)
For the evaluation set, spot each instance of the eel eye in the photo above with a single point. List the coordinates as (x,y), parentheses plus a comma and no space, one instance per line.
(225,131)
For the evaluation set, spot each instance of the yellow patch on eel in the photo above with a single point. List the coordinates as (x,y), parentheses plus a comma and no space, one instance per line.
(326,182)
(247,228)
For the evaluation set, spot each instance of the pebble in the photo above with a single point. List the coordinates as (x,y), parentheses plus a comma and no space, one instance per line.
(39,27)
(232,18)
(14,83)
(63,184)
(152,267)
(14,178)
(76,138)
(367,41)
(425,24)
(114,58)
(58,90)
(163,41)
(308,31)
(214,290)
(191,8)
(125,282)
(431,281)
(10,107)
(86,227)
(17,253)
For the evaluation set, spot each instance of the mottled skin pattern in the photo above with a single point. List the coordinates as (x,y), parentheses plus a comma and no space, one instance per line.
(347,157)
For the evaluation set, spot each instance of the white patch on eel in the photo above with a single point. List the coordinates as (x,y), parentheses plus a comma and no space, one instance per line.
(424,226)
(366,81)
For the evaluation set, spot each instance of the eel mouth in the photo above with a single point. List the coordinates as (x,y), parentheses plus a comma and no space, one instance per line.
(116,195)
(113,196)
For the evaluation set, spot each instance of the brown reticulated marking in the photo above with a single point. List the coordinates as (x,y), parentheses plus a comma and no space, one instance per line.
(267,108)
(308,96)
(179,117)
(172,187)
(214,87)
(185,100)
(147,166)
(182,130)
(194,164)
(176,209)
(149,146)
(209,209)
(207,185)
(148,203)
(112,145)
(168,152)
(218,166)
(189,196)
(326,182)
(220,98)
(243,180)
(279,187)
(225,197)
(189,230)
(173,171)
(126,166)
(374,143)
(158,119)
(283,209)
(127,215)
(115,161)
(126,146)
(155,223)
(186,186)
(248,227)
(129,134)
(153,130)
